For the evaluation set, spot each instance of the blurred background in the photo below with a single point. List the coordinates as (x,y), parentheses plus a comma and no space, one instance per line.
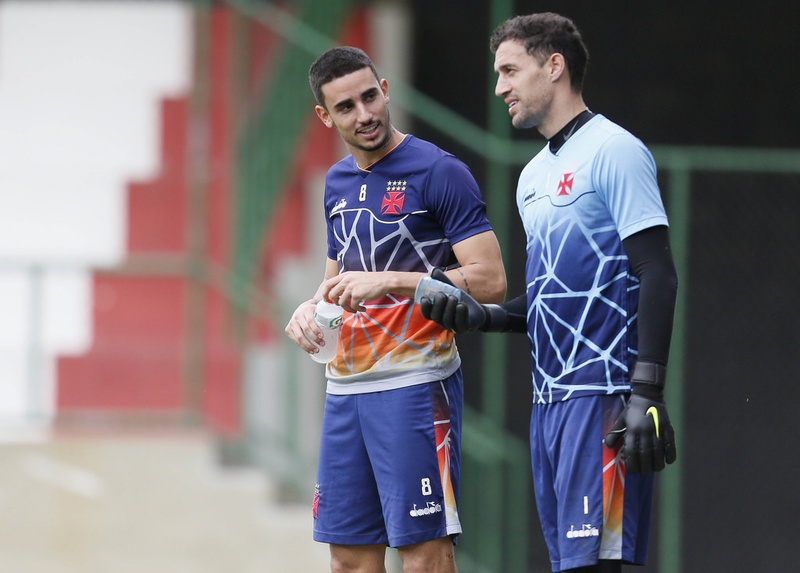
(161,175)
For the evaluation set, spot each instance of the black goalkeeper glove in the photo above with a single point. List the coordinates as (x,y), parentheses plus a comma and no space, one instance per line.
(644,423)
(463,313)
(448,311)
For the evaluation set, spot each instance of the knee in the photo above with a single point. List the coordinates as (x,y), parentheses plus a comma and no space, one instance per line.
(345,565)
(340,565)
(436,556)
(357,559)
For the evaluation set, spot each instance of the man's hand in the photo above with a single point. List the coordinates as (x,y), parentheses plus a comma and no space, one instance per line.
(302,329)
(450,312)
(644,423)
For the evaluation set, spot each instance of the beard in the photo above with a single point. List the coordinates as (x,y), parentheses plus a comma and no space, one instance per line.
(526,120)
(531,113)
(376,144)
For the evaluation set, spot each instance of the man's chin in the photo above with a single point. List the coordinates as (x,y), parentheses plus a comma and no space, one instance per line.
(522,122)
(375,144)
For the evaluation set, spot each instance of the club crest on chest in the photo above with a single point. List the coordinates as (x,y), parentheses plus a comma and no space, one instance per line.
(394,198)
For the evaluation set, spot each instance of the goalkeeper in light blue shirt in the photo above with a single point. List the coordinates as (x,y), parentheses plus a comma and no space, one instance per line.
(598,309)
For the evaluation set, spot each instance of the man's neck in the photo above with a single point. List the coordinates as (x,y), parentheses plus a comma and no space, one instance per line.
(561,114)
(366,159)
(559,139)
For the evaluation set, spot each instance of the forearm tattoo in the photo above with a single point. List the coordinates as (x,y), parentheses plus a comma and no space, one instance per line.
(466,282)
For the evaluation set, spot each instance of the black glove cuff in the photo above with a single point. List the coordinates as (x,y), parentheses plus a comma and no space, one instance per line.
(648,380)
(496,318)
(649,373)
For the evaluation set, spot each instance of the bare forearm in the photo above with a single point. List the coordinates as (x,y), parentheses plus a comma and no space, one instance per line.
(483,282)
(481,274)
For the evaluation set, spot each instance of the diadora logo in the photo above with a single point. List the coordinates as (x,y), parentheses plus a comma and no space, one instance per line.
(586,530)
(430,508)
(565,184)
(339,206)
(394,198)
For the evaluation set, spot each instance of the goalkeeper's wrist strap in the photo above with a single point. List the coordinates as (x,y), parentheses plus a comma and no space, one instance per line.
(496,318)
(507,317)
(648,380)
(649,373)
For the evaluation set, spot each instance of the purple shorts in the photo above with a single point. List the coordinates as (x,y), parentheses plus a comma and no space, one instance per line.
(589,508)
(389,466)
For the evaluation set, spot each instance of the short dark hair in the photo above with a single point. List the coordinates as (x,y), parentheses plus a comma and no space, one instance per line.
(543,35)
(335,63)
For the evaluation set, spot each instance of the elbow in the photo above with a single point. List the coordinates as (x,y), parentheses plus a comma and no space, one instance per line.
(672,282)
(496,291)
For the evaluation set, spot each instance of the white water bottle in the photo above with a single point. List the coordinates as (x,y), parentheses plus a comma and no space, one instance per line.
(428,287)
(328,317)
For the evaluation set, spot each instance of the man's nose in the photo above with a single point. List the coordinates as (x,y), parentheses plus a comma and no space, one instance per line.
(500,88)
(363,114)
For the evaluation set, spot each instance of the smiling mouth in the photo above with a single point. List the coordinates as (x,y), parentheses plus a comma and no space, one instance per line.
(369,130)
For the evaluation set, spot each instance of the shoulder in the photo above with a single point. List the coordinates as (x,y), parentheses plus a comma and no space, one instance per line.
(424,155)
(416,145)
(611,146)
(606,133)
(424,151)
(342,168)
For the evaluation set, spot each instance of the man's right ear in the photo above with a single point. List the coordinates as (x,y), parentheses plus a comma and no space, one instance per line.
(323,114)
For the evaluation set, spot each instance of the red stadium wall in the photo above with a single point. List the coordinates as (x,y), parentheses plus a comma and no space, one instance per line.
(136,362)
(141,361)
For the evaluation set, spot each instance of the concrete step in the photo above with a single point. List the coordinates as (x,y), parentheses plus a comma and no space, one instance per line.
(144,504)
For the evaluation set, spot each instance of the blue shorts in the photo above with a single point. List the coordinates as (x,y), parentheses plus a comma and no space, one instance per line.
(389,466)
(589,508)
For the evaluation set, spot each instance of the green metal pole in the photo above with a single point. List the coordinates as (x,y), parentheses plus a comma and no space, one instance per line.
(494,382)
(497,190)
(670,551)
